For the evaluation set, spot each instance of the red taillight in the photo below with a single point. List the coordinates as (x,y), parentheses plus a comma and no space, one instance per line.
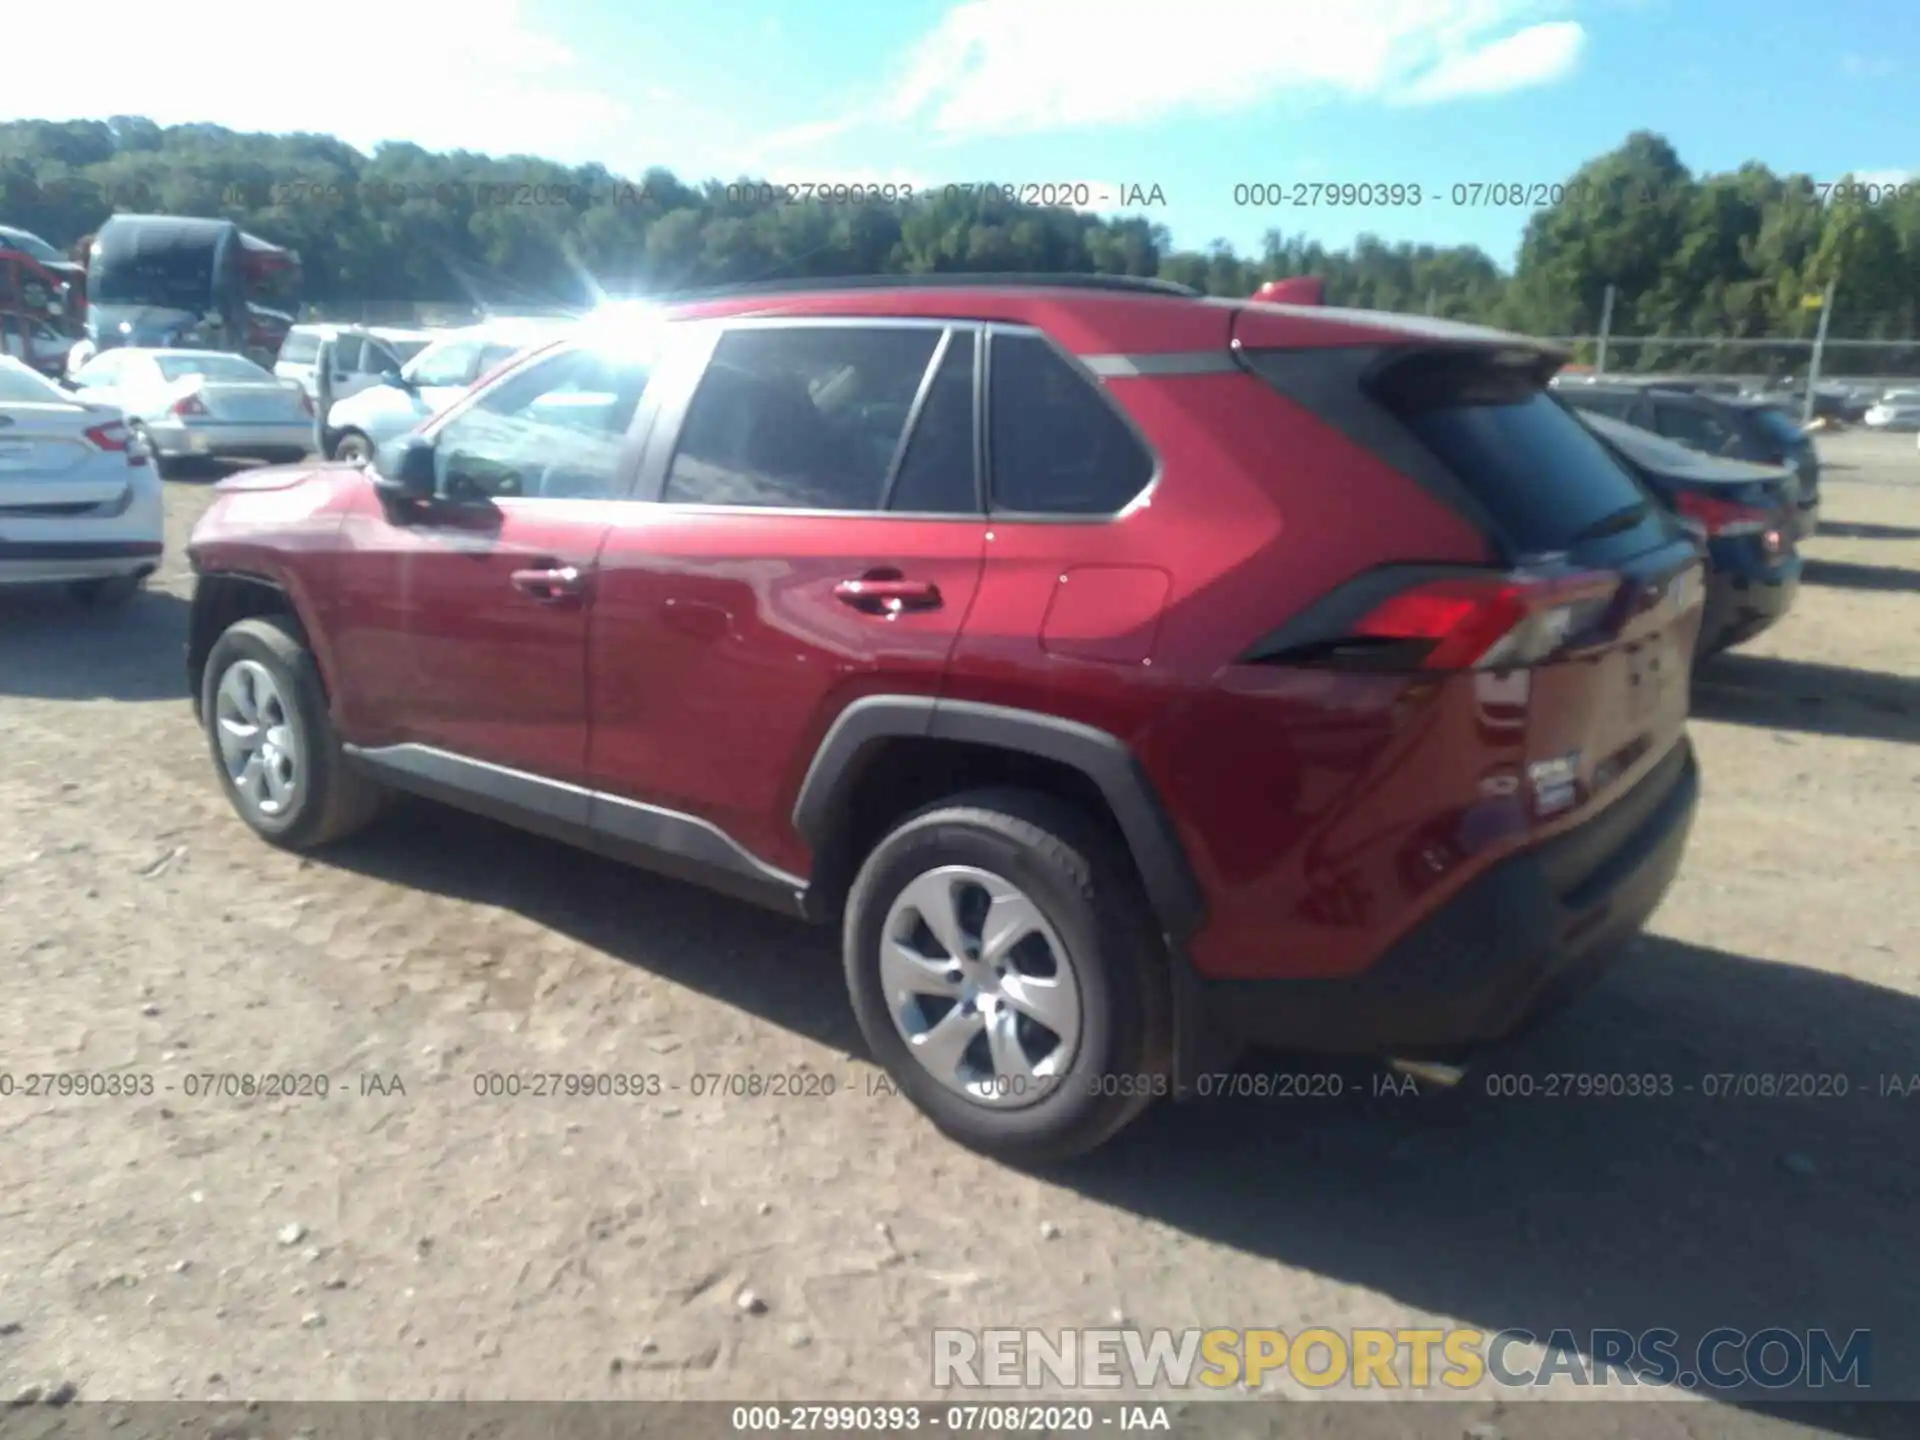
(189,405)
(1722,517)
(116,438)
(306,402)
(1488,624)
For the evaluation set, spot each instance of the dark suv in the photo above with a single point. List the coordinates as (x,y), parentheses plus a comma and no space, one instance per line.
(1130,676)
(1732,427)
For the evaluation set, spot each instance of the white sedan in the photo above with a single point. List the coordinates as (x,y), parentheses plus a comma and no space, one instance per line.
(1896,410)
(200,403)
(79,502)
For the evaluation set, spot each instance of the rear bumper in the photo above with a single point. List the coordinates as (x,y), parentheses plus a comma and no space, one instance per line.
(180,441)
(1529,932)
(1743,598)
(43,562)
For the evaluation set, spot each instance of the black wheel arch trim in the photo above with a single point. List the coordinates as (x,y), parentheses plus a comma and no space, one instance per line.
(199,645)
(864,726)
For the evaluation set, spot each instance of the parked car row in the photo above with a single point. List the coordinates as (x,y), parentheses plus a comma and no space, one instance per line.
(1731,427)
(365,400)
(974,618)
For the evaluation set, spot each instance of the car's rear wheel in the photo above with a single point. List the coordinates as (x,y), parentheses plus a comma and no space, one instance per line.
(273,743)
(1007,974)
(353,446)
(109,592)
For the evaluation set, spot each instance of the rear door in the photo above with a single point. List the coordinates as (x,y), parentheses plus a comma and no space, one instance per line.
(815,535)
(346,372)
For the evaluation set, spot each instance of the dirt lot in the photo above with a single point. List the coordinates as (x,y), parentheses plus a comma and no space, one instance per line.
(433,1244)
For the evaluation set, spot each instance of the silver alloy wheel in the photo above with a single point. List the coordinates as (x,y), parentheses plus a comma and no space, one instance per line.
(980,986)
(259,743)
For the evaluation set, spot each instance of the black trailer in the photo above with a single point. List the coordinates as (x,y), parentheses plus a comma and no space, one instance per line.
(169,282)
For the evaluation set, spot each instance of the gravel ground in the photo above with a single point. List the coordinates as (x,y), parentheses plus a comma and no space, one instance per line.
(404,1239)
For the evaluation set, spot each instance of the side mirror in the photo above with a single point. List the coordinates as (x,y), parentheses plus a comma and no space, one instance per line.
(405,468)
(395,379)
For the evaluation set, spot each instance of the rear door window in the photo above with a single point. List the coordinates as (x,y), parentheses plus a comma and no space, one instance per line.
(937,475)
(800,417)
(1058,446)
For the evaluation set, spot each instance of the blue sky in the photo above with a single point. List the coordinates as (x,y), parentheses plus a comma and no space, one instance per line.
(1194,97)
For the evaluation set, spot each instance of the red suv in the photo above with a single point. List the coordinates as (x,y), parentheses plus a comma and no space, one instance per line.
(1131,676)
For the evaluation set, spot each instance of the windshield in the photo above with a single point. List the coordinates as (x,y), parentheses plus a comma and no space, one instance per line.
(20,386)
(214,367)
(177,281)
(444,362)
(31,243)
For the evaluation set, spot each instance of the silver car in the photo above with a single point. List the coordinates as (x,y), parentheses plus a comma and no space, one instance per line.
(188,403)
(426,385)
(362,355)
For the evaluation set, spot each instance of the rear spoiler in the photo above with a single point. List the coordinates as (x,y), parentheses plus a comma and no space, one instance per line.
(1294,290)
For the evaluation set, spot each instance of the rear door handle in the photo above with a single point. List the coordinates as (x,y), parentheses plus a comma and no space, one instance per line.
(887,594)
(551,587)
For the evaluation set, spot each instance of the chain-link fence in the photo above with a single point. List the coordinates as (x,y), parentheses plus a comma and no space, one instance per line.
(1833,338)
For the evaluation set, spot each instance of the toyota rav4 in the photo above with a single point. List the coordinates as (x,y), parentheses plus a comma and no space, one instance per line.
(1131,676)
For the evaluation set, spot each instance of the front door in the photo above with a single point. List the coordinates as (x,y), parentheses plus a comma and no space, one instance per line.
(462,622)
(817,536)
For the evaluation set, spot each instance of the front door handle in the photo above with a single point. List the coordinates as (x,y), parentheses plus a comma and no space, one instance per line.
(551,587)
(887,593)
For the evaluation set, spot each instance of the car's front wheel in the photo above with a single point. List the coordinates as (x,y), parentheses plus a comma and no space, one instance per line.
(273,743)
(1006,972)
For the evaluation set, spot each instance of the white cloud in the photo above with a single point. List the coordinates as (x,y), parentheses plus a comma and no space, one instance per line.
(445,74)
(1534,56)
(1009,66)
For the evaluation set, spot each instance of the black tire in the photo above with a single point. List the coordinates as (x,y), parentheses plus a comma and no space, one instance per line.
(1087,890)
(334,799)
(110,592)
(346,442)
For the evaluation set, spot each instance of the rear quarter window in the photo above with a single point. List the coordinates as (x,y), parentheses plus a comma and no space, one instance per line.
(300,349)
(1058,447)
(1538,472)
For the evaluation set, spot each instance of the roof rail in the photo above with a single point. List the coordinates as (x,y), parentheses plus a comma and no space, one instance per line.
(1132,284)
